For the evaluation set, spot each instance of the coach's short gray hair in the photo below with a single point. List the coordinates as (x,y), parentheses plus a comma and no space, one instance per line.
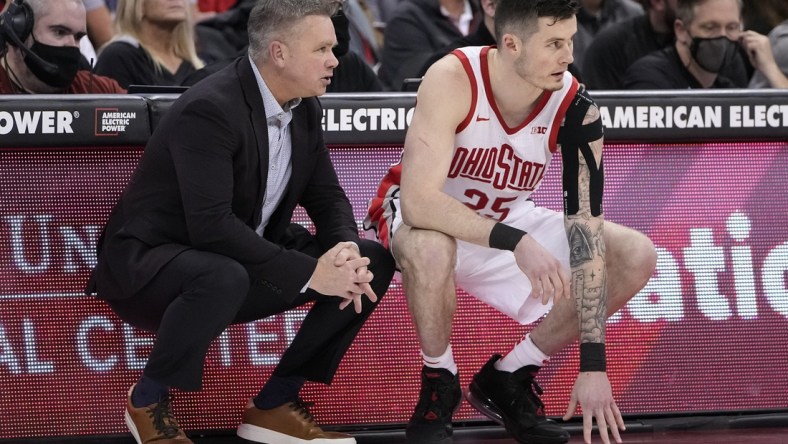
(270,18)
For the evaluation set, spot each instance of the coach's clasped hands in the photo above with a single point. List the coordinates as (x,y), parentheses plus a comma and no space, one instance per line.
(342,272)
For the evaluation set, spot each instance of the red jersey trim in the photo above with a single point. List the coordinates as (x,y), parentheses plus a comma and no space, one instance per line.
(540,104)
(466,64)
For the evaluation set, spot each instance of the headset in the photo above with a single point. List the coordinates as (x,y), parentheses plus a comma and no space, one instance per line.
(16,25)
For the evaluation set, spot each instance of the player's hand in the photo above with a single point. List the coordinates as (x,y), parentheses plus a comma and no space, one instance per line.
(548,278)
(593,392)
(342,272)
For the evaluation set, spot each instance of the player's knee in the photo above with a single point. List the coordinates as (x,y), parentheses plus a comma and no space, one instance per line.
(427,251)
(643,258)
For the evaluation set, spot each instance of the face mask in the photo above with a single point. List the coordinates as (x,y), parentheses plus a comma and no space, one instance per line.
(66,58)
(341,28)
(713,54)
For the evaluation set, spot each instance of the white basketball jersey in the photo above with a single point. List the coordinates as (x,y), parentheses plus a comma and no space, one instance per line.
(496,167)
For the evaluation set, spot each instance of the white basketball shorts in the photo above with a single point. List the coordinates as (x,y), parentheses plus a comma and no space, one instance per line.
(488,274)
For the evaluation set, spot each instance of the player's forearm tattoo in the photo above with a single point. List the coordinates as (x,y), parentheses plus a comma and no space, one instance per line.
(587,261)
(579,245)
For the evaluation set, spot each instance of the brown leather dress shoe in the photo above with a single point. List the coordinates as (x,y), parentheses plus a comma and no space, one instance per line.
(154,424)
(290,423)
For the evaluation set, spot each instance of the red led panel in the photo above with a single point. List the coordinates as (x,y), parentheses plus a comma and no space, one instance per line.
(708,333)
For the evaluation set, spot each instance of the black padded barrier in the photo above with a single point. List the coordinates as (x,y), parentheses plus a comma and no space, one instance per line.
(629,116)
(70,121)
(383,118)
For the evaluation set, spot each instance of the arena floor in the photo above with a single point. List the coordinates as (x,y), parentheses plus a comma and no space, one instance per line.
(762,429)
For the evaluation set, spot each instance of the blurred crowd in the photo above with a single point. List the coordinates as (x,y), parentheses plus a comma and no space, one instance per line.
(387,45)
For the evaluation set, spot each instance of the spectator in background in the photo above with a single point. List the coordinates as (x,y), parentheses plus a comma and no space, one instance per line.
(47,59)
(707,41)
(215,5)
(353,74)
(419,29)
(373,17)
(99,22)
(777,13)
(484,36)
(596,15)
(768,73)
(364,39)
(223,37)
(616,48)
(383,10)
(155,45)
(200,14)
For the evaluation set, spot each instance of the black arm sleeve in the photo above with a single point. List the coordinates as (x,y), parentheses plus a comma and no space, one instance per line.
(575,138)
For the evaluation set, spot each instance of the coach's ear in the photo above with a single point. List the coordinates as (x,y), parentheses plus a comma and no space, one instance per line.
(278,53)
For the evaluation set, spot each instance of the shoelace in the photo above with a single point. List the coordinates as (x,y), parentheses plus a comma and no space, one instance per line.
(163,420)
(438,392)
(529,389)
(302,407)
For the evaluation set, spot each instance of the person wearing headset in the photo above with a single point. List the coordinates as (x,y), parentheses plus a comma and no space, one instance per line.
(39,40)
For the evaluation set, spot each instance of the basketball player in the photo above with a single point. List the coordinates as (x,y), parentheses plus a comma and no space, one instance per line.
(456,212)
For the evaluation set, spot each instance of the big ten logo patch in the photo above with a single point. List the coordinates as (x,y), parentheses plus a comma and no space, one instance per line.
(539,130)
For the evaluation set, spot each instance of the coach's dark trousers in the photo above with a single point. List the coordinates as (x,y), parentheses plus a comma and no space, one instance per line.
(198,294)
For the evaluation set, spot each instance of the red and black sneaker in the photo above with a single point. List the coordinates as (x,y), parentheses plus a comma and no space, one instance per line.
(512,400)
(439,398)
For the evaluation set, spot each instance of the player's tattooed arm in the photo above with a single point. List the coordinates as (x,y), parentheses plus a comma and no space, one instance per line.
(585,232)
